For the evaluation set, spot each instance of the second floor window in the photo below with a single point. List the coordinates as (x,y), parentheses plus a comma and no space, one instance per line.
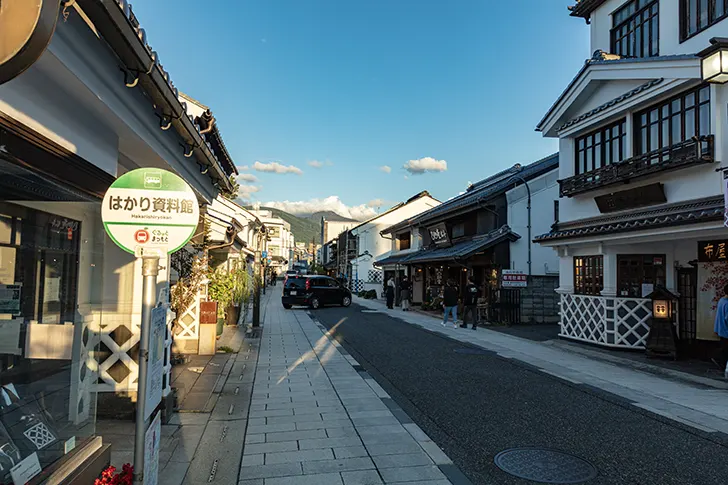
(601,147)
(674,120)
(403,241)
(698,15)
(635,29)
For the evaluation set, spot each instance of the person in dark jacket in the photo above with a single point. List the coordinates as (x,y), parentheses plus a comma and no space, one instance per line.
(390,293)
(450,302)
(405,290)
(470,303)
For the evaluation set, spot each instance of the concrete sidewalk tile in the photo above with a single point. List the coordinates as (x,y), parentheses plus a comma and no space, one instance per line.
(184,419)
(299,456)
(271,471)
(370,414)
(322,479)
(350,452)
(256,449)
(271,413)
(399,461)
(361,477)
(271,428)
(341,432)
(256,481)
(403,438)
(320,424)
(380,430)
(416,432)
(411,474)
(336,466)
(435,453)
(254,438)
(252,460)
(334,416)
(295,435)
(173,473)
(329,443)
(256,421)
(381,421)
(302,418)
(393,448)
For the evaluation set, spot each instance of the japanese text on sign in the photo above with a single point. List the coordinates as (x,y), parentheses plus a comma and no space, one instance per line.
(712,251)
(513,279)
(153,204)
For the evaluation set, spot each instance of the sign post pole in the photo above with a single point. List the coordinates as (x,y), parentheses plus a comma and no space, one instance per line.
(150,270)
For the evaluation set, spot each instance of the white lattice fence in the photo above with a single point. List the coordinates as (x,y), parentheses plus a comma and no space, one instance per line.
(628,322)
(188,325)
(583,317)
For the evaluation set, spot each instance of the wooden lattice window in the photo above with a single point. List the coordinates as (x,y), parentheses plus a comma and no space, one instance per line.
(588,275)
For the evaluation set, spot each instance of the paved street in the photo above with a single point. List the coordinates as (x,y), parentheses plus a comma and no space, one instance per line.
(476,403)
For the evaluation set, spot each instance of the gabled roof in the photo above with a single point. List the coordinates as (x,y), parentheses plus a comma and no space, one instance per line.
(415,197)
(482,191)
(601,58)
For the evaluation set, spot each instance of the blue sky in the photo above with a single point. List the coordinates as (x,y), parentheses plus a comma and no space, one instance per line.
(359,85)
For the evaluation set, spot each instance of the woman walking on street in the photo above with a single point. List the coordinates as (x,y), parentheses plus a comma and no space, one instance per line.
(405,289)
(450,303)
(390,293)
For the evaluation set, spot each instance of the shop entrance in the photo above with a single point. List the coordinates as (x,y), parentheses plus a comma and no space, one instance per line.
(687,286)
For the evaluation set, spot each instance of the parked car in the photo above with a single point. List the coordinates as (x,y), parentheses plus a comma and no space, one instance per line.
(291,272)
(314,292)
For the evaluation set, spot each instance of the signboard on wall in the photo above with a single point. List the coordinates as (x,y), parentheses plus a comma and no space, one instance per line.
(631,198)
(511,278)
(438,234)
(712,251)
(150,208)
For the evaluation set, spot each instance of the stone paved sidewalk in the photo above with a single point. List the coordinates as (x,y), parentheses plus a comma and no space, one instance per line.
(315,419)
(697,403)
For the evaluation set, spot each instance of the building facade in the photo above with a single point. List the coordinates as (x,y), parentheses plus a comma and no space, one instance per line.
(281,242)
(484,233)
(641,200)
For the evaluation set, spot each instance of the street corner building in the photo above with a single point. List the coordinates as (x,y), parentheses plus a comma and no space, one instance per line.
(642,133)
(83,100)
(485,233)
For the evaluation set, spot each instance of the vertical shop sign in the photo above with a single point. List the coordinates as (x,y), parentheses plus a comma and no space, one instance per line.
(725,198)
(155,368)
(151,451)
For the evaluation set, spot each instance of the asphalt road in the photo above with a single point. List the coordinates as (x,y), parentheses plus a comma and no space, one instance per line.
(475,406)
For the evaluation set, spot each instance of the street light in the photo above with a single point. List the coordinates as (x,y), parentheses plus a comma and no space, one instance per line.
(714,61)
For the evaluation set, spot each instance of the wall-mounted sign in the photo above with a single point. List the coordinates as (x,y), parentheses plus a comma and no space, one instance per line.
(712,251)
(150,209)
(631,198)
(511,278)
(438,234)
(10,299)
(26,29)
(208,312)
(155,368)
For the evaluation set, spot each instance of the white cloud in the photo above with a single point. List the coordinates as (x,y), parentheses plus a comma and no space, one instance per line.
(246,177)
(245,192)
(316,164)
(385,168)
(275,167)
(374,203)
(331,203)
(426,164)
(243,168)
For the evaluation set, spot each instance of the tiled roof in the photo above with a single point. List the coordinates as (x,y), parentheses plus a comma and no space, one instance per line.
(397,258)
(609,104)
(691,212)
(464,249)
(481,191)
(584,8)
(600,58)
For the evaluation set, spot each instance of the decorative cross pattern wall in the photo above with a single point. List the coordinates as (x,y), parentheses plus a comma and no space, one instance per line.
(188,325)
(609,321)
(374,276)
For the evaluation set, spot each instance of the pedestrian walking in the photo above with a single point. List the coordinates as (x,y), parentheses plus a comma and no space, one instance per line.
(390,293)
(721,330)
(470,303)
(450,303)
(274,278)
(405,289)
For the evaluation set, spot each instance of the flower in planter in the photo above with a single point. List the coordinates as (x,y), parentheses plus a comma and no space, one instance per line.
(110,477)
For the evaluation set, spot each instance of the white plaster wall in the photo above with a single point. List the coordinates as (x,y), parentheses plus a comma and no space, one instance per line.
(544,191)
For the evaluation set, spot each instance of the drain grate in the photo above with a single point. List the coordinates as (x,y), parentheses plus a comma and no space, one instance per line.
(471,351)
(545,466)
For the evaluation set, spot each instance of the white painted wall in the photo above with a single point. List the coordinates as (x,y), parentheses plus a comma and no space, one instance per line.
(544,191)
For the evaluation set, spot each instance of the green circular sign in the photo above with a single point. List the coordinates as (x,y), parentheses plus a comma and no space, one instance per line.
(150,210)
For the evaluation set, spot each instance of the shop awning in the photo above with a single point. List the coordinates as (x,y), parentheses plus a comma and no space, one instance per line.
(390,260)
(464,249)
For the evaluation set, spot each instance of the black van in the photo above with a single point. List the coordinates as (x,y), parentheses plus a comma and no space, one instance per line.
(314,291)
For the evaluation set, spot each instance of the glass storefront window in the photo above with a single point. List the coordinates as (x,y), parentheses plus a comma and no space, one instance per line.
(51,254)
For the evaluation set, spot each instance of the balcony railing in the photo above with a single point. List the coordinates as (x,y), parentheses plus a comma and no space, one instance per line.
(695,151)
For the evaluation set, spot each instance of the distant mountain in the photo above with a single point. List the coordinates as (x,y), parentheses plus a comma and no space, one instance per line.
(330,216)
(303,228)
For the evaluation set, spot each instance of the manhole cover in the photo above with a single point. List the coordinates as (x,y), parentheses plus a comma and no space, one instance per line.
(469,351)
(545,466)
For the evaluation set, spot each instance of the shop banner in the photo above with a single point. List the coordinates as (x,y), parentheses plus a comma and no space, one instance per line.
(151,451)
(155,369)
(725,198)
(150,209)
(513,279)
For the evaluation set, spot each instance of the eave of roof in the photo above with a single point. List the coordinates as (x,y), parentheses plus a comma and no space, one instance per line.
(464,249)
(584,8)
(689,212)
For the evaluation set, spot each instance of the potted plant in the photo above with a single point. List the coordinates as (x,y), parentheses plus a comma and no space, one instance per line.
(220,289)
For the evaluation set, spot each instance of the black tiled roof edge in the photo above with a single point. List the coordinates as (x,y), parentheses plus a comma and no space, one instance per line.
(615,101)
(463,248)
(485,191)
(702,210)
(584,8)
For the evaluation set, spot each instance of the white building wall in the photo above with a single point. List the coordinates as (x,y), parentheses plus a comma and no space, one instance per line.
(544,191)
